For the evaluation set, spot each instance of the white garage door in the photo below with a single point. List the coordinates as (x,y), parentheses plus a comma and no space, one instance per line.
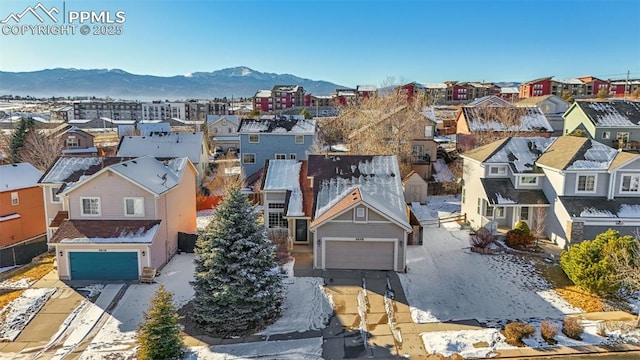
(365,255)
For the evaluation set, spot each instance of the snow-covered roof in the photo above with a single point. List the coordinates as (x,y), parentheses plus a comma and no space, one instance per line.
(509,90)
(172,145)
(596,157)
(285,175)
(106,231)
(155,176)
(345,92)
(615,113)
(62,169)
(280,124)
(91,149)
(436,85)
(377,178)
(530,119)
(18,176)
(521,152)
(601,207)
(490,100)
(366,88)
(263,94)
(569,81)
(146,129)
(232,119)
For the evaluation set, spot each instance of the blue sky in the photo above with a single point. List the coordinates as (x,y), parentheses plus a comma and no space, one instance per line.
(347,42)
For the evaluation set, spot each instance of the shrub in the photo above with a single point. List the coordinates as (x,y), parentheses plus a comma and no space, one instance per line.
(522,226)
(572,328)
(516,238)
(281,240)
(514,333)
(549,330)
(589,264)
(482,238)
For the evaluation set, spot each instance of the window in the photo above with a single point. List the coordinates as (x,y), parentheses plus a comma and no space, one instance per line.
(134,206)
(528,180)
(622,136)
(630,183)
(293,156)
(418,150)
(498,170)
(488,211)
(277,220)
(276,206)
(249,158)
(281,156)
(499,212)
(360,212)
(463,195)
(524,213)
(606,135)
(54,195)
(299,139)
(72,141)
(586,183)
(15,200)
(90,206)
(254,139)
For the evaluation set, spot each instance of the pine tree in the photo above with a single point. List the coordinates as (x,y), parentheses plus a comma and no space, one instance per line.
(159,333)
(18,137)
(238,288)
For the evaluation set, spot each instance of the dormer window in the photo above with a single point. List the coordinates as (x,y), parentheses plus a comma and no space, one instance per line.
(586,184)
(72,141)
(528,180)
(498,170)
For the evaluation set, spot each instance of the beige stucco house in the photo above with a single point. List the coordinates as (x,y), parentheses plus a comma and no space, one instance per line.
(110,217)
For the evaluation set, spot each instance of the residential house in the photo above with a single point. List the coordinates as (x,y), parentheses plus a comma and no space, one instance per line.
(489,101)
(22,225)
(552,106)
(365,91)
(415,188)
(509,93)
(278,137)
(223,131)
(445,118)
(348,209)
(422,129)
(63,113)
(412,90)
(172,145)
(501,183)
(615,123)
(116,216)
(480,124)
(75,141)
(586,187)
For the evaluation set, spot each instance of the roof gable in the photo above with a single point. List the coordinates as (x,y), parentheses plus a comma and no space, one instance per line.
(623,113)
(484,152)
(490,100)
(521,153)
(284,175)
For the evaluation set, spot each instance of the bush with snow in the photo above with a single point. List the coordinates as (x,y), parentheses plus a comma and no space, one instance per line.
(238,285)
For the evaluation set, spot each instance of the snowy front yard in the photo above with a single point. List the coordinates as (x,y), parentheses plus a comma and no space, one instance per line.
(306,308)
(445,281)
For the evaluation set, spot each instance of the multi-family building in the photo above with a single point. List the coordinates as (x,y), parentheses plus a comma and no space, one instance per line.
(279,98)
(116,110)
(586,86)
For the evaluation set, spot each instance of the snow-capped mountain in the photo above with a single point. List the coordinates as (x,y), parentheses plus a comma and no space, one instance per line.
(237,81)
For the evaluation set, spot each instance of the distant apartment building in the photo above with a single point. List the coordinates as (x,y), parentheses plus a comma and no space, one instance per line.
(586,86)
(116,110)
(454,91)
(279,98)
(63,113)
(158,110)
(622,88)
(199,110)
(318,100)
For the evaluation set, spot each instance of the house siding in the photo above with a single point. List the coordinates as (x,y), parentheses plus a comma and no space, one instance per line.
(574,117)
(354,230)
(31,222)
(269,145)
(602,184)
(51,208)
(180,212)
(473,190)
(555,225)
(112,190)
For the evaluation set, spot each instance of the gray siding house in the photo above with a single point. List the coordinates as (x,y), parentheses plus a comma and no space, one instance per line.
(349,210)
(587,187)
(278,137)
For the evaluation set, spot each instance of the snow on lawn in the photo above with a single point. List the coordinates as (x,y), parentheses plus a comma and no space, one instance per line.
(437,207)
(21,310)
(306,307)
(16,284)
(119,332)
(303,349)
(442,172)
(445,281)
(204,218)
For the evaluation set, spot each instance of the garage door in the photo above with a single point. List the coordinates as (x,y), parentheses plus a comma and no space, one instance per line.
(366,255)
(104,265)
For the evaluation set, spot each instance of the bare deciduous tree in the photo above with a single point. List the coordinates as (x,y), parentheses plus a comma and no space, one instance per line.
(41,150)
(539,222)
(626,263)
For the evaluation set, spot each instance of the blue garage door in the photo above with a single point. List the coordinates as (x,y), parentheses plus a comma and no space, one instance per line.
(104,265)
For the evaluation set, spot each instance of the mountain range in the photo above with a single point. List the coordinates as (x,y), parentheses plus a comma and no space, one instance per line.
(237,82)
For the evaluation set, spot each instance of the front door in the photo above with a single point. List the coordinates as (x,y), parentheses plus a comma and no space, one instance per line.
(301,230)
(524,215)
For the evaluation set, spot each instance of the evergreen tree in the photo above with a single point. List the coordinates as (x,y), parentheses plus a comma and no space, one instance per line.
(238,288)
(159,333)
(18,137)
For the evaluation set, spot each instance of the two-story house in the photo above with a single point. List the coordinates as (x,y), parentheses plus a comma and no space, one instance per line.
(117,215)
(586,187)
(169,145)
(278,137)
(348,209)
(75,140)
(615,123)
(223,131)
(21,214)
(552,106)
